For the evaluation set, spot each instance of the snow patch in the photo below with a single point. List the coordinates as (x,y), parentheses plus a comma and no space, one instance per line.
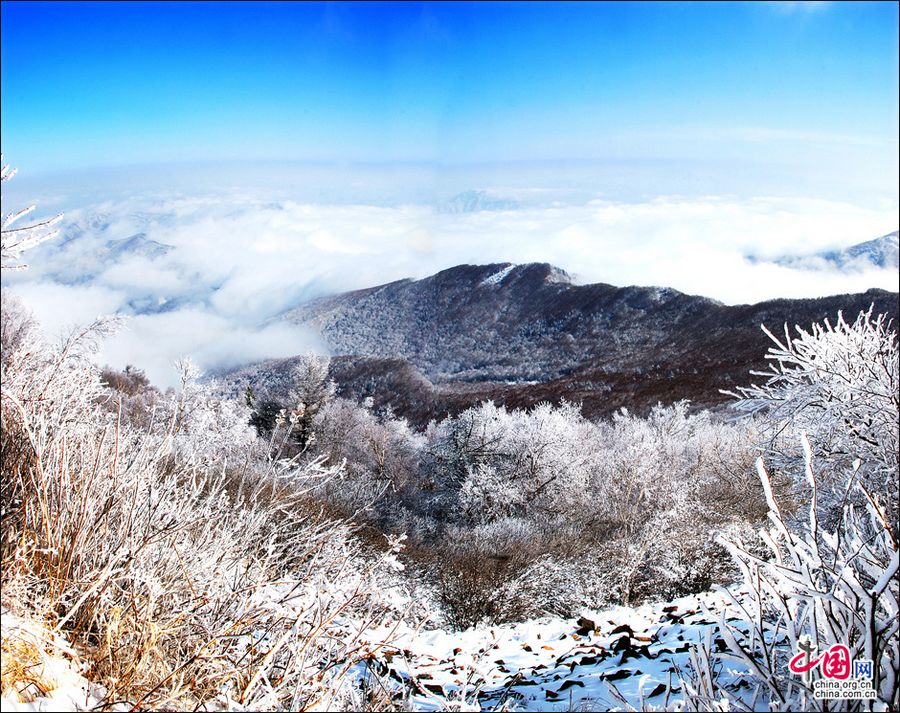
(53,681)
(497,277)
(557,664)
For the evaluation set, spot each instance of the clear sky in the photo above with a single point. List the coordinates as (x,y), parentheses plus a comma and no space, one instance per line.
(123,83)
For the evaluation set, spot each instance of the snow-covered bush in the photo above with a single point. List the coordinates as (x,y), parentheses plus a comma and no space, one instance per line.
(131,396)
(839,384)
(559,584)
(379,453)
(536,460)
(820,585)
(187,564)
(665,486)
(475,571)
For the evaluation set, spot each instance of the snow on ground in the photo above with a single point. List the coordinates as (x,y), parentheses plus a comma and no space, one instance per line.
(548,664)
(558,664)
(40,670)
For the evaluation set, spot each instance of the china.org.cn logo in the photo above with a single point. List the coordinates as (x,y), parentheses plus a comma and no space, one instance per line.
(834,666)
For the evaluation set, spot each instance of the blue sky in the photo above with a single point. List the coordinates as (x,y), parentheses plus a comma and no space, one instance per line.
(129,83)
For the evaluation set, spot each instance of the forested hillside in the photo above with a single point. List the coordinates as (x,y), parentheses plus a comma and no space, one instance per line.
(521,335)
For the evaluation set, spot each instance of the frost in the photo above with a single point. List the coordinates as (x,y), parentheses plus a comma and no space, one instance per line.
(16,240)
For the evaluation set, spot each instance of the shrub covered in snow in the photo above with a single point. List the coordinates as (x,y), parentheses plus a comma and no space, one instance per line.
(839,384)
(187,563)
(832,578)
(819,585)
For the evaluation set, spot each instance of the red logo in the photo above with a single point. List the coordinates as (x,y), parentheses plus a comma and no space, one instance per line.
(834,663)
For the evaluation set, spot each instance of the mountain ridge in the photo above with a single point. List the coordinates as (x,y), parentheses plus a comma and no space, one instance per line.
(522,334)
(534,323)
(880,253)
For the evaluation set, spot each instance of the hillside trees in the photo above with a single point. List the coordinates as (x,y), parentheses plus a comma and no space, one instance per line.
(543,510)
(530,511)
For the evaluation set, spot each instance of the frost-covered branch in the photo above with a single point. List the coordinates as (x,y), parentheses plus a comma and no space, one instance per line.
(840,384)
(16,240)
(818,586)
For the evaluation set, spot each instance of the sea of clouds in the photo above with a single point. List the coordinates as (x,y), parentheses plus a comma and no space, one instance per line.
(240,257)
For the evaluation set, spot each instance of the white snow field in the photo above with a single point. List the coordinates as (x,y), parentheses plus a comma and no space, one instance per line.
(560,664)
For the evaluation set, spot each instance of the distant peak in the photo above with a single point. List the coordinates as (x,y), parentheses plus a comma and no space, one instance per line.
(475,202)
(882,252)
(503,274)
(549,274)
(137,245)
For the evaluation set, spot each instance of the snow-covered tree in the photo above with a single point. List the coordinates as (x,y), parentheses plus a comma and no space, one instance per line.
(17,325)
(539,460)
(286,412)
(640,499)
(379,453)
(666,484)
(840,385)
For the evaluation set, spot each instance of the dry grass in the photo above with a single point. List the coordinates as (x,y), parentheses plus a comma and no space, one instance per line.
(22,671)
(177,558)
(33,662)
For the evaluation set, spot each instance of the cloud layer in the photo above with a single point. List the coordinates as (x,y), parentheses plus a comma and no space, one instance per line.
(237,261)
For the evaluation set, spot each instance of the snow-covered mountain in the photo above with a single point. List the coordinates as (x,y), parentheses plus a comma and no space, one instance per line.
(883,252)
(91,245)
(521,334)
(138,245)
(500,322)
(476,201)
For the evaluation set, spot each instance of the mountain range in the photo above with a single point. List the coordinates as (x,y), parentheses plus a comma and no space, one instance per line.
(521,334)
(475,202)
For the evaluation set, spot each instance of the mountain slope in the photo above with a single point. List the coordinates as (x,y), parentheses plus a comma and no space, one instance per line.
(523,334)
(498,322)
(883,252)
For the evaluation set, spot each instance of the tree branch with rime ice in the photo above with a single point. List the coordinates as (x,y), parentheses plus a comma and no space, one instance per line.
(16,240)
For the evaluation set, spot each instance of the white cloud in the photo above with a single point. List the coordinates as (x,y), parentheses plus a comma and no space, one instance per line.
(140,276)
(154,341)
(61,307)
(238,263)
